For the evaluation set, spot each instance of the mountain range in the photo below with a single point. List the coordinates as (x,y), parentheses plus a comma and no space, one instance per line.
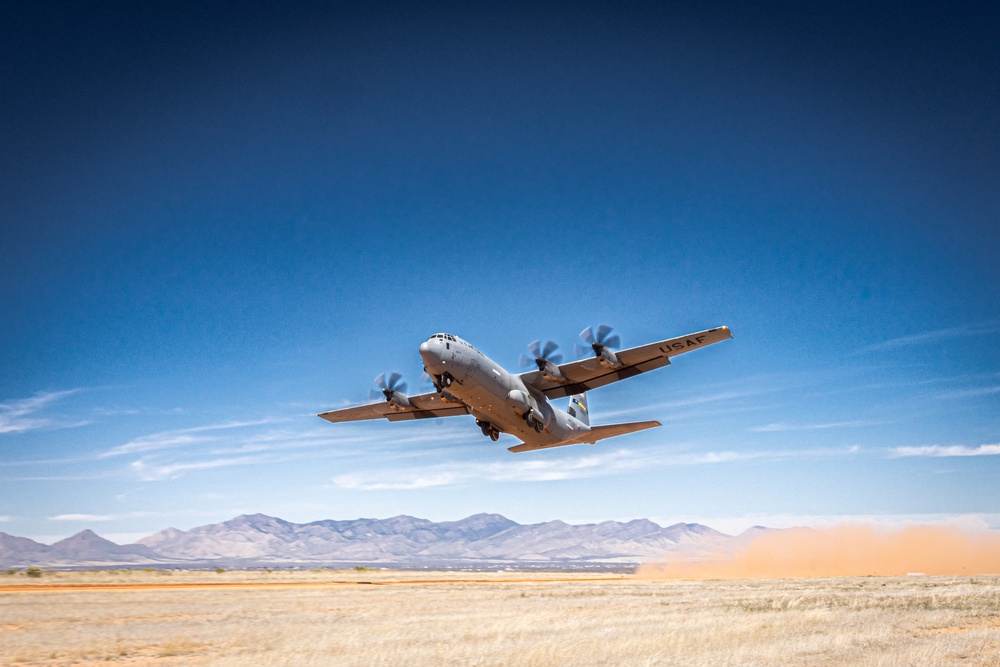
(478,540)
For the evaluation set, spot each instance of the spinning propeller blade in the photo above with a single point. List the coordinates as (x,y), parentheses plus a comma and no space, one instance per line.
(596,339)
(539,351)
(388,387)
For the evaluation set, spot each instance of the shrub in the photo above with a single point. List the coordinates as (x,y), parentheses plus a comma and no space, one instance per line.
(33,572)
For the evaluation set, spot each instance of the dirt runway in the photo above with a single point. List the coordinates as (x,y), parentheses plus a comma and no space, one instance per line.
(244,585)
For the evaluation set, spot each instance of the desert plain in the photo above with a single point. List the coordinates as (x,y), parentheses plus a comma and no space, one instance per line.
(377,617)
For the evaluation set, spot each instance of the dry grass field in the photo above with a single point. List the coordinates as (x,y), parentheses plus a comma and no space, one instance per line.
(328,618)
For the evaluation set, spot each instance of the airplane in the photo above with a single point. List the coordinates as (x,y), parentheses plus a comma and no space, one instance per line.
(467,382)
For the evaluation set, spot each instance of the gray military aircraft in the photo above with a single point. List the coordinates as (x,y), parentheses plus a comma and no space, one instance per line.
(466,381)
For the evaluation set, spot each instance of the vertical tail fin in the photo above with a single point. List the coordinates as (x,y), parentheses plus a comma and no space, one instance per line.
(578,408)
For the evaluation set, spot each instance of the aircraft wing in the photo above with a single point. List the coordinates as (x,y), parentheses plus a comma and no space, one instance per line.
(589,374)
(424,406)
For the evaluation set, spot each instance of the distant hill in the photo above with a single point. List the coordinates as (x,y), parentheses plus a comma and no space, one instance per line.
(481,539)
(84,548)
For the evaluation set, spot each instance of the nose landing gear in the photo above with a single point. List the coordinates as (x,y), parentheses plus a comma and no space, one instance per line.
(442,382)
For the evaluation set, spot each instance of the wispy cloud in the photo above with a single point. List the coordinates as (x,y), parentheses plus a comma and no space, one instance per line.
(779,426)
(170,454)
(931,337)
(729,456)
(152,471)
(454,473)
(703,400)
(602,464)
(137,514)
(973,392)
(947,450)
(18,416)
(180,437)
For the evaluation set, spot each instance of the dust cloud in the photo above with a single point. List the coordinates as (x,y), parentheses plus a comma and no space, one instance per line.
(842,551)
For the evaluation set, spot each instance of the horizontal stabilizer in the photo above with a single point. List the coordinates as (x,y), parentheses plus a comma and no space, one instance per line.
(596,433)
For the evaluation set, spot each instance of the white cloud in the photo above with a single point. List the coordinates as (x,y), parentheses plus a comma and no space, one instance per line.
(929,337)
(947,450)
(82,517)
(771,428)
(600,464)
(679,407)
(170,454)
(975,392)
(17,416)
(523,470)
(153,472)
(179,437)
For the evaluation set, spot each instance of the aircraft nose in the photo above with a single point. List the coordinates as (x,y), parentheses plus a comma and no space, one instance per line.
(430,352)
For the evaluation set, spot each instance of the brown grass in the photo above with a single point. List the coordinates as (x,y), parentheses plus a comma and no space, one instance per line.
(504,619)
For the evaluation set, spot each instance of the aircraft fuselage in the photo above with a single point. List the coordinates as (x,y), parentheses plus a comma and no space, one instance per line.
(495,397)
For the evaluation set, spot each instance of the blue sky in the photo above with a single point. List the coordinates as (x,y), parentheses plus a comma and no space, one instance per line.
(219,221)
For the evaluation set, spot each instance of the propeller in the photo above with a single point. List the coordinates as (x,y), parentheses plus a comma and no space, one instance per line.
(540,354)
(598,338)
(388,386)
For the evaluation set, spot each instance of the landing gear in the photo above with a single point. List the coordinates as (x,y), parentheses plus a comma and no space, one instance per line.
(529,417)
(488,430)
(443,381)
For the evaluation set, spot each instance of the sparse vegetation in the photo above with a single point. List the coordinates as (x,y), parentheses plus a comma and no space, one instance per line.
(220,570)
(34,572)
(522,619)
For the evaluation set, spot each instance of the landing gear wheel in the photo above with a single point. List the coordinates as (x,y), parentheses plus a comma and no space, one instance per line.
(494,434)
(529,417)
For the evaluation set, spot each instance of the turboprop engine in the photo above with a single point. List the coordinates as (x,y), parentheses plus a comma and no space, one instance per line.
(601,342)
(545,359)
(393,390)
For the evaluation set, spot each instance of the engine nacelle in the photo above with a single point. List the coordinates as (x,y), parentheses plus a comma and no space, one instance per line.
(520,402)
(398,401)
(606,357)
(549,370)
